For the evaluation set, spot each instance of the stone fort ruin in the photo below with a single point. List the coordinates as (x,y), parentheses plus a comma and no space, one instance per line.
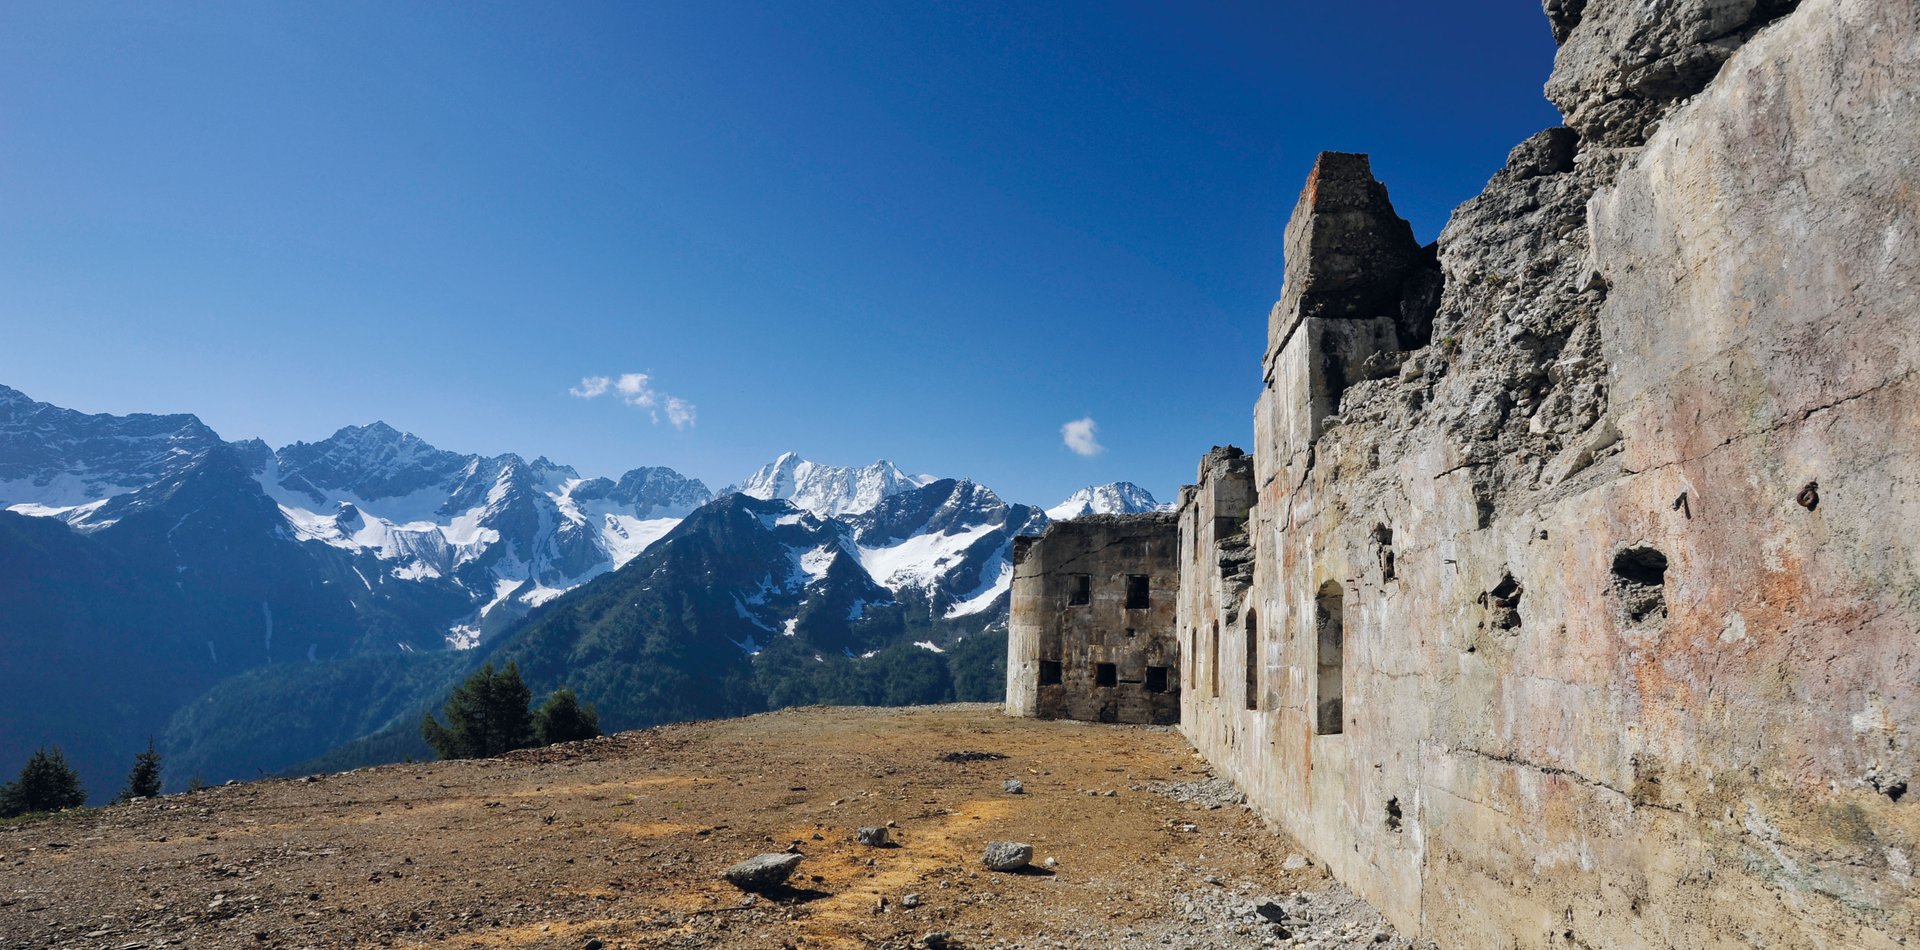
(1091,626)
(1570,595)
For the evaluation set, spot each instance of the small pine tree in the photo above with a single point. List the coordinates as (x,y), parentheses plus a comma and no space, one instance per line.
(144,780)
(486,716)
(47,783)
(562,718)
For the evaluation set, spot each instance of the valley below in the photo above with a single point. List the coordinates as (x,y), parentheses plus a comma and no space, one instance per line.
(620,842)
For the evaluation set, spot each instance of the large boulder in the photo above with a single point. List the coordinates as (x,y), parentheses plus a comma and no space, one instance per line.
(1007,856)
(762,871)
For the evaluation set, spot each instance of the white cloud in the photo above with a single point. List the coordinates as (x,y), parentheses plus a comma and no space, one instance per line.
(590,386)
(636,390)
(679,412)
(1078,435)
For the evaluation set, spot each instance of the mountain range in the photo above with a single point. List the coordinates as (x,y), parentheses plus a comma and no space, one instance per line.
(260,608)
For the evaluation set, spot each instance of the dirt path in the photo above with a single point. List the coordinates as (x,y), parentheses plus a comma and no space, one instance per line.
(622,840)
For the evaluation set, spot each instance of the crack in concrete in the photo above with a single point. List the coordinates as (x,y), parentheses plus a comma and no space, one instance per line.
(1557,771)
(1781,423)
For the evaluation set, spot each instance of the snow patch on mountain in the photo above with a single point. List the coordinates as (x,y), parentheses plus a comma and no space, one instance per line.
(996,580)
(740,608)
(621,533)
(461,636)
(56,494)
(810,564)
(623,537)
(919,560)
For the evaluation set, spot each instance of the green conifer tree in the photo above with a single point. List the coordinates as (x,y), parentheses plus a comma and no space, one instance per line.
(47,783)
(562,718)
(486,716)
(144,780)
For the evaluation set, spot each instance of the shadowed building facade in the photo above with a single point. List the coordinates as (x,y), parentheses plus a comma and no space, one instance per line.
(1090,632)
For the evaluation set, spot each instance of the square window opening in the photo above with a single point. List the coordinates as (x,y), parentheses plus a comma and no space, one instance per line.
(1137,591)
(1106,675)
(1156,679)
(1050,672)
(1079,590)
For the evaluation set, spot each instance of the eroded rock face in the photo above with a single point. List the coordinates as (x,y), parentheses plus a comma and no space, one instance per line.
(1624,63)
(1592,622)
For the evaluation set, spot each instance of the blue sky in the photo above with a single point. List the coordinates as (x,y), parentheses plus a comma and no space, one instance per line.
(934,233)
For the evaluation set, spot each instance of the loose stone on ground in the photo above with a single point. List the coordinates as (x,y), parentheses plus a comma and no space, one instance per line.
(762,872)
(1007,856)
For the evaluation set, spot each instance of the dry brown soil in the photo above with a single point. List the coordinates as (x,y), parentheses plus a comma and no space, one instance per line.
(622,840)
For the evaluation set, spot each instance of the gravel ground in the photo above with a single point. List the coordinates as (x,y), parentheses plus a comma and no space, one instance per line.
(619,843)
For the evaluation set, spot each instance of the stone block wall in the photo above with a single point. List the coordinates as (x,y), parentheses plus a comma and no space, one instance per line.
(1090,633)
(1590,619)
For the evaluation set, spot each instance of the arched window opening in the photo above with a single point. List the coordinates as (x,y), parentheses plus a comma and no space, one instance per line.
(1253,661)
(1213,663)
(1331,636)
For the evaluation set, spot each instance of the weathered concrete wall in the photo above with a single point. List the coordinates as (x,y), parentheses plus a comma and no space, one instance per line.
(1216,568)
(1620,574)
(1106,658)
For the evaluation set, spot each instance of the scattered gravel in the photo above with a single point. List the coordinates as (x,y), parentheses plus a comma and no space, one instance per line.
(1212,793)
(1327,916)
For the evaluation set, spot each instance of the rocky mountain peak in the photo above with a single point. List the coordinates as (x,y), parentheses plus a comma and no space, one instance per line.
(52,457)
(1116,498)
(828,490)
(371,461)
(653,489)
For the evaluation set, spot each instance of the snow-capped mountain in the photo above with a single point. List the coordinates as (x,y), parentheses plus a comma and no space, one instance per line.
(368,462)
(505,532)
(53,458)
(514,533)
(1118,498)
(950,540)
(784,572)
(744,576)
(495,536)
(827,490)
(144,558)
